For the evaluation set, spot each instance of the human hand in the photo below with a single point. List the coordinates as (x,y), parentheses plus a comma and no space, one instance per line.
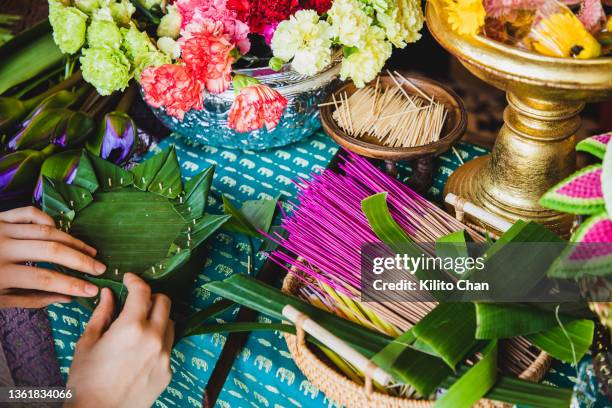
(28,234)
(125,363)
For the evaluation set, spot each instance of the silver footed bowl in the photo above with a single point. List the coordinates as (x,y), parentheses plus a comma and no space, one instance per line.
(300,119)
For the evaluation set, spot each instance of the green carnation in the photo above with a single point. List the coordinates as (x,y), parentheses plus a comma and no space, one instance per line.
(136,43)
(107,69)
(122,12)
(87,6)
(152,58)
(103,31)
(69,26)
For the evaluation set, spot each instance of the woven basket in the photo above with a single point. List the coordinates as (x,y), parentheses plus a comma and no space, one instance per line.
(340,389)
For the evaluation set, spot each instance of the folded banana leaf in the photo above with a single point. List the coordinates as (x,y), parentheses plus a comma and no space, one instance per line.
(143,221)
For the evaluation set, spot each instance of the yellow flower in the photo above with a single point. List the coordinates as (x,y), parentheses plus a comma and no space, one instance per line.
(466,17)
(562,35)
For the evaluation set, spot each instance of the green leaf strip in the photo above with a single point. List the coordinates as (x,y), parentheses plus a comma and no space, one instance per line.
(475,383)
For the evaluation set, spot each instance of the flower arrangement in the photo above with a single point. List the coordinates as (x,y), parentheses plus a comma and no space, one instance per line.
(183,50)
(567,29)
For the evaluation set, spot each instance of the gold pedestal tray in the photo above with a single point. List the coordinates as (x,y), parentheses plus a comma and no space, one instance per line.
(535,146)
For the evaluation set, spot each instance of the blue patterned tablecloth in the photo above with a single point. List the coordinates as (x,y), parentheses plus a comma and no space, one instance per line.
(264,375)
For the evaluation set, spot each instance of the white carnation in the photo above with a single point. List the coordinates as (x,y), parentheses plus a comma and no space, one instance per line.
(365,64)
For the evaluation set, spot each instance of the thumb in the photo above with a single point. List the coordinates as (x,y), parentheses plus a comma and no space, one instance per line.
(100,319)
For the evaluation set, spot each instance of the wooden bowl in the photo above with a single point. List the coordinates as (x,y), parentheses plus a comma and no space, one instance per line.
(420,156)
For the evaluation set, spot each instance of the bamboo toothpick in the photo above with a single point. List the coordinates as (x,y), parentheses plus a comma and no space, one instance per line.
(390,114)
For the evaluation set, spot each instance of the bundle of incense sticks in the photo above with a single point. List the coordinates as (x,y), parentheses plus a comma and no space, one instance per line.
(328,229)
(390,114)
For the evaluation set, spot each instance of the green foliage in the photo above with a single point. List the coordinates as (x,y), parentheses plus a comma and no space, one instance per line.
(142,228)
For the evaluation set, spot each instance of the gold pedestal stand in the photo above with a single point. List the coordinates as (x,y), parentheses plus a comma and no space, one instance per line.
(535,147)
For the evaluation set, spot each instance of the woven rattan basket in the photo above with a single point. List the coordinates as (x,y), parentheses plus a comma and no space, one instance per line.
(342,390)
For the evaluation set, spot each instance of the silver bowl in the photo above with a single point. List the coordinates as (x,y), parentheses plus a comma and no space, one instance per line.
(300,119)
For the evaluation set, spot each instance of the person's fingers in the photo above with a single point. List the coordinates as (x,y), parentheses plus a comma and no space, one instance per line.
(159,314)
(138,302)
(31,300)
(31,277)
(44,232)
(26,215)
(54,252)
(169,337)
(100,320)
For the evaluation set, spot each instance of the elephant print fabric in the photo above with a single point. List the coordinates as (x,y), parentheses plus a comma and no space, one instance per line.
(264,375)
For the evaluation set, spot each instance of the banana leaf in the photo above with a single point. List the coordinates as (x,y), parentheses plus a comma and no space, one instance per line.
(252,218)
(568,342)
(412,367)
(499,321)
(146,231)
(449,331)
(27,55)
(475,383)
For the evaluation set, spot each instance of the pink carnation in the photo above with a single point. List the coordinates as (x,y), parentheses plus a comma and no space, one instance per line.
(196,13)
(173,87)
(207,53)
(255,106)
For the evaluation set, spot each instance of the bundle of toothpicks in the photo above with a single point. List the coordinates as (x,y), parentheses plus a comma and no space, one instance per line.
(391,115)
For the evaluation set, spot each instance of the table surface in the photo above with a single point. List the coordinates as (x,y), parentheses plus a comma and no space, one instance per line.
(263,375)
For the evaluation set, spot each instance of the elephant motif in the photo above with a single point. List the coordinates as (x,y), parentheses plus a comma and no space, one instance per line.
(309,388)
(261,399)
(317,169)
(249,164)
(231,157)
(160,404)
(264,171)
(264,196)
(281,154)
(195,402)
(283,179)
(202,293)
(223,404)
(248,190)
(190,166)
(284,373)
(58,343)
(179,355)
(224,238)
(218,339)
(333,150)
(241,385)
(243,247)
(71,321)
(300,162)
(263,363)
(317,145)
(228,181)
(224,269)
(210,149)
(245,353)
(52,314)
(72,345)
(199,363)
(174,392)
